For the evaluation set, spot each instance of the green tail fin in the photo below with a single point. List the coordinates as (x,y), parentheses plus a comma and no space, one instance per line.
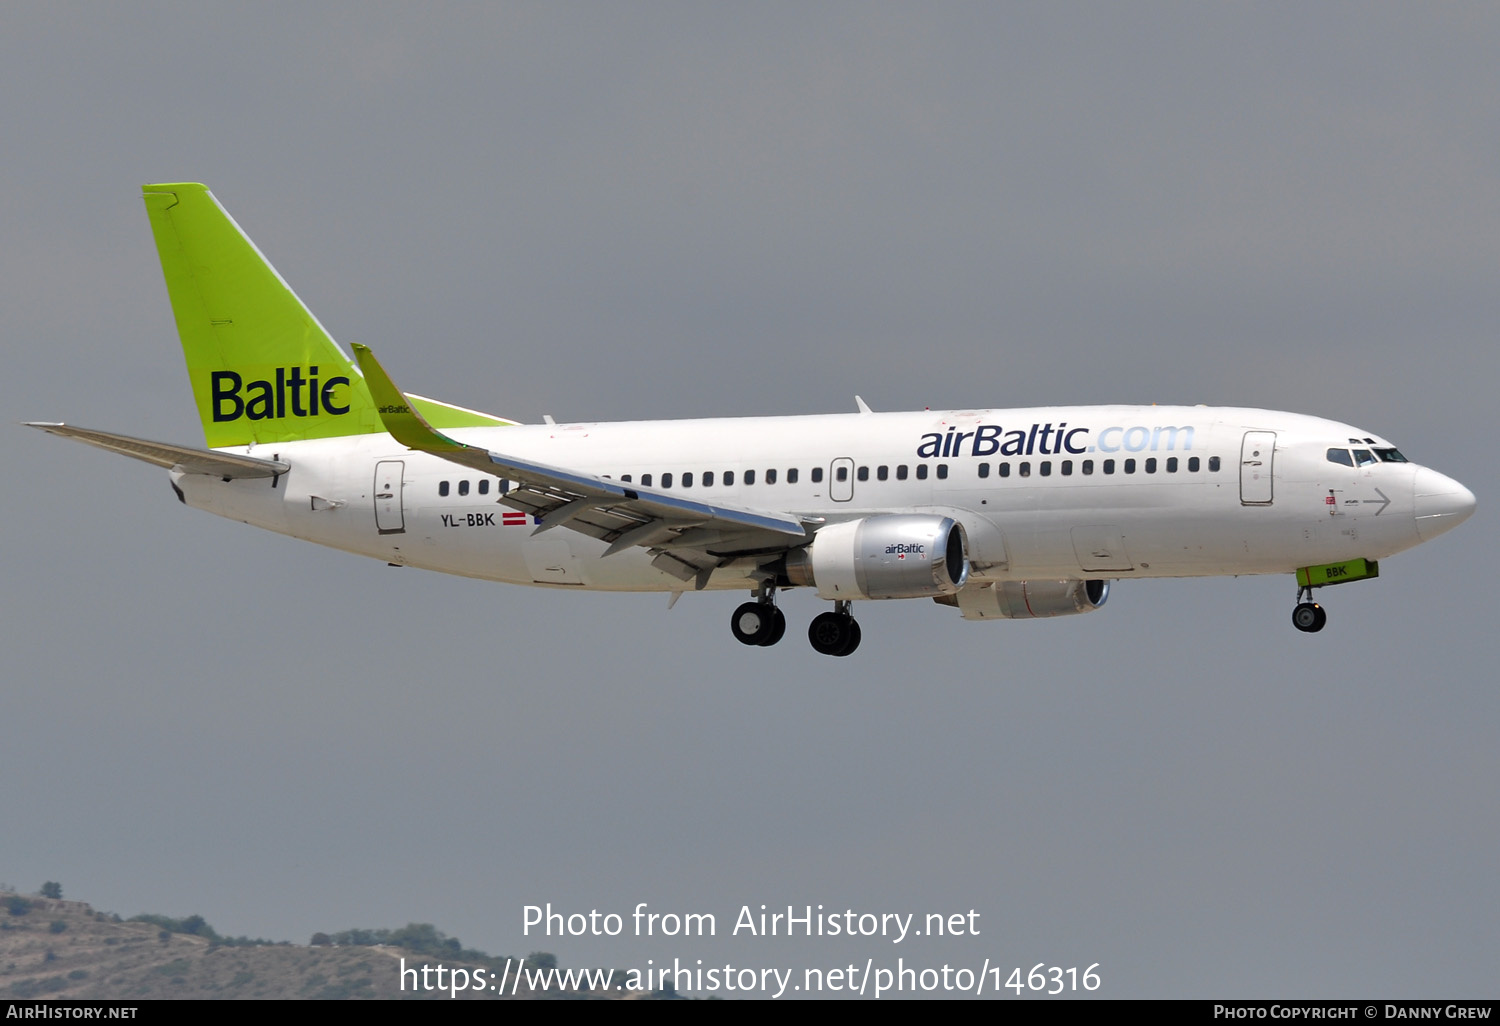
(263,369)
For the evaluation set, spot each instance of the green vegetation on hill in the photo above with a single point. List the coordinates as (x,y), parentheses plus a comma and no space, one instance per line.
(55,948)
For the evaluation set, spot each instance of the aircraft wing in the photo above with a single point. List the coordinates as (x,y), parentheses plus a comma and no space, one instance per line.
(690,538)
(164,454)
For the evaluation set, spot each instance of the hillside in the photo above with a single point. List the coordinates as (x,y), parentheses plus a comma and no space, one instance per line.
(57,948)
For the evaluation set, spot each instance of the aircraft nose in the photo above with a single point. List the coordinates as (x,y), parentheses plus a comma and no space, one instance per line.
(1440,502)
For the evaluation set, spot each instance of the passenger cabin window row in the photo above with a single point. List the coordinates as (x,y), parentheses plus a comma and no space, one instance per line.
(1024,468)
(793,475)
(483,487)
(707,478)
(1066,468)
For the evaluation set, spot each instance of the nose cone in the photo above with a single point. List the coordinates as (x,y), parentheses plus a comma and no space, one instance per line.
(1441,503)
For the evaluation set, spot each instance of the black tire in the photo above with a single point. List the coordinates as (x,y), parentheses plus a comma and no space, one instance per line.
(778,628)
(829,633)
(751,624)
(854,636)
(1309,617)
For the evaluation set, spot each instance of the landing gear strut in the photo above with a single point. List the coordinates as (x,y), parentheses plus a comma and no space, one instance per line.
(759,622)
(836,633)
(1308,617)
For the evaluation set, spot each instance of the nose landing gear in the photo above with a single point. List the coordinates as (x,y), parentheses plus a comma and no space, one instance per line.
(1308,617)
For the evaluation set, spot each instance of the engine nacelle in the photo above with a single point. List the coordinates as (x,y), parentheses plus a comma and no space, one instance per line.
(1027,600)
(891,556)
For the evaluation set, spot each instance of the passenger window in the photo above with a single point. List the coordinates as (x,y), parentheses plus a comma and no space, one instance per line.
(817,475)
(728,479)
(1193,464)
(1130,466)
(625,478)
(942,471)
(484,486)
(1005,470)
(1171,464)
(901,472)
(666,480)
(863,473)
(1109,466)
(708,479)
(882,473)
(463,487)
(1363,458)
(770,477)
(687,479)
(791,475)
(921,472)
(1088,466)
(1340,456)
(1151,465)
(1025,469)
(984,470)
(442,487)
(842,474)
(646,480)
(1213,464)
(1046,468)
(1067,467)
(749,477)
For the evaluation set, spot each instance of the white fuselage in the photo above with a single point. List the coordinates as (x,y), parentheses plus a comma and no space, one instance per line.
(1049,493)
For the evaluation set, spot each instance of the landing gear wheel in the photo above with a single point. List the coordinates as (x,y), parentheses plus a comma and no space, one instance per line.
(854,635)
(834,634)
(778,628)
(754,622)
(1309,617)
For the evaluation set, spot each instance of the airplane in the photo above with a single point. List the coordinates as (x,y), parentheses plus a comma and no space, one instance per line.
(998,514)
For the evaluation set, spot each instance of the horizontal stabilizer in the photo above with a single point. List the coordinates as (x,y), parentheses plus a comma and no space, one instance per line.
(164,454)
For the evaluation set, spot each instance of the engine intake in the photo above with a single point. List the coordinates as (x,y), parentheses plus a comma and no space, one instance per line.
(891,556)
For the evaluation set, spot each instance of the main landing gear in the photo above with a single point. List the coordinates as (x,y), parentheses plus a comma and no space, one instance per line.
(836,633)
(761,623)
(1308,617)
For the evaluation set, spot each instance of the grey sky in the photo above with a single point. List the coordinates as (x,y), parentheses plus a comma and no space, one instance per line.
(638,211)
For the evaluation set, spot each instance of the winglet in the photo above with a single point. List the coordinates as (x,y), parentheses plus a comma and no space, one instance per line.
(864,407)
(397,413)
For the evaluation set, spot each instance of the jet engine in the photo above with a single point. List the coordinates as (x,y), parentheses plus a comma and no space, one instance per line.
(1027,600)
(891,556)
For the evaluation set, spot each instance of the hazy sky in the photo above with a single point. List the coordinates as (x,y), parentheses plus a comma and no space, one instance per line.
(655,210)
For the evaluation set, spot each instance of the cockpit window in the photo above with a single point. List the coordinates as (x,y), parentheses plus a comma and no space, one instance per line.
(1340,456)
(1390,456)
(1363,458)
